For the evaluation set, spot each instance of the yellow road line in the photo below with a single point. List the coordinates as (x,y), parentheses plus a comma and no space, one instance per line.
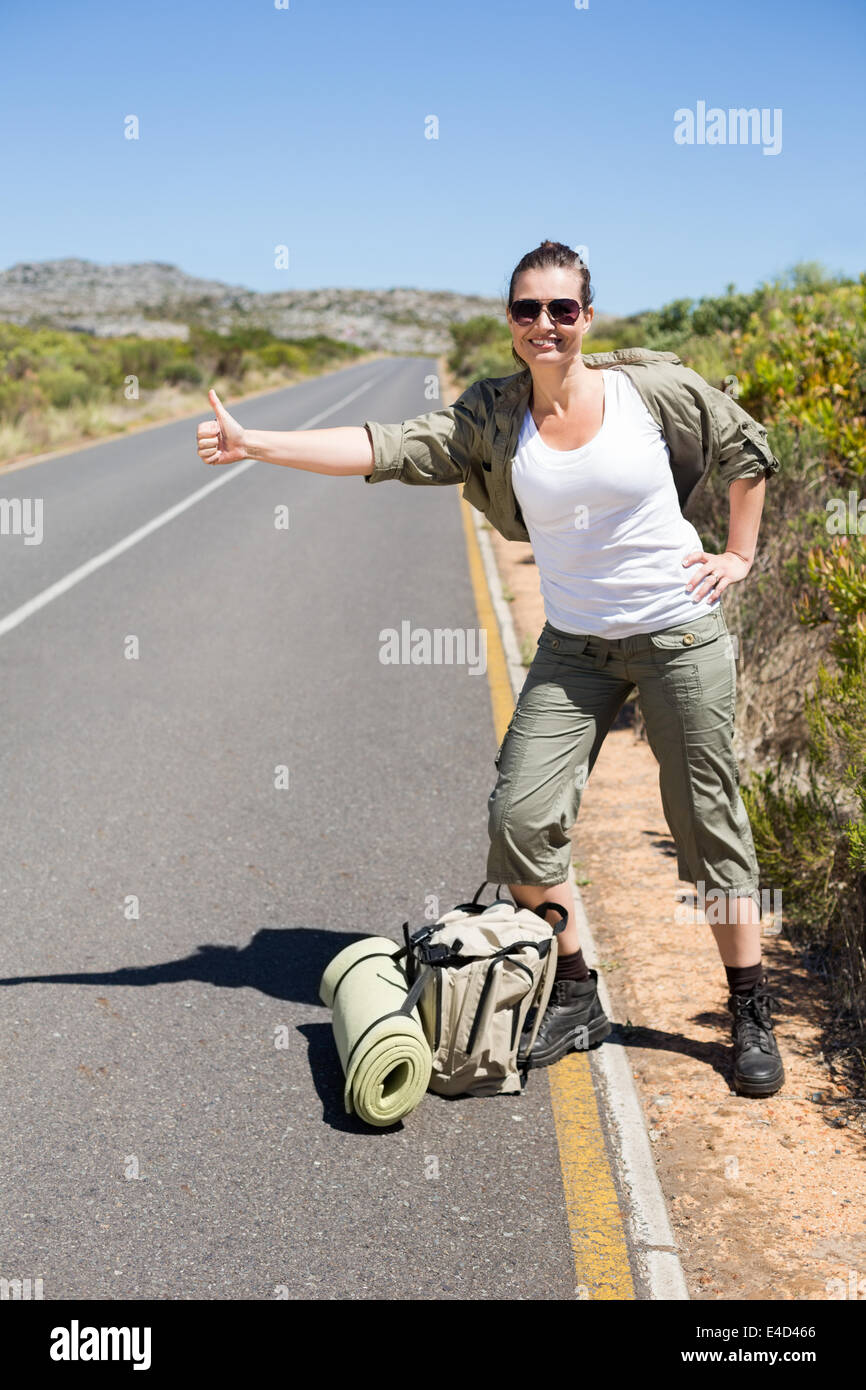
(595,1221)
(498,680)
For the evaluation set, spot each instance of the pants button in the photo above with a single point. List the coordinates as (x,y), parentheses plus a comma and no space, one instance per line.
(688,639)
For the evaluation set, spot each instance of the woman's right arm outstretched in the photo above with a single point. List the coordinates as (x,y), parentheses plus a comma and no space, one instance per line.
(344,450)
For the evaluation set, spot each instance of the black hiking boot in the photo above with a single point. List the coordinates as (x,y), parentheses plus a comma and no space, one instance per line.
(758,1069)
(573,1021)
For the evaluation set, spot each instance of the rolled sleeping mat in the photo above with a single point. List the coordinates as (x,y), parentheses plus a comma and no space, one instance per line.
(384,1054)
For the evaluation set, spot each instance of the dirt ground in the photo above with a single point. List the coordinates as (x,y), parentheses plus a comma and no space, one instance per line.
(766,1196)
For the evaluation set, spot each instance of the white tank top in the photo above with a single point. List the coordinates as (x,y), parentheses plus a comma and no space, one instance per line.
(605,523)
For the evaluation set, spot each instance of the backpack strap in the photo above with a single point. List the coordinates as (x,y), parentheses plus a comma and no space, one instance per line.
(405,1008)
(475,905)
(482,1008)
(557,907)
(374,955)
(415,992)
(411,941)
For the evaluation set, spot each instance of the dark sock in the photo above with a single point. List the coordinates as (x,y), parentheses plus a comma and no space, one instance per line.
(572,967)
(743,978)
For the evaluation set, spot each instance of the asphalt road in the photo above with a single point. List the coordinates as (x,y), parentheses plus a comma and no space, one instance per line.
(148,1045)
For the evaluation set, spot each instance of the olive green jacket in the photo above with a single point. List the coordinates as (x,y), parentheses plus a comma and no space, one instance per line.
(473,441)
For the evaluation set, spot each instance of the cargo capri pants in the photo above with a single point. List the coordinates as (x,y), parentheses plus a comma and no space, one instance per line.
(686,681)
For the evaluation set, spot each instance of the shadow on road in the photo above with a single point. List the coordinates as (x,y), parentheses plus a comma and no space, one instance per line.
(285,963)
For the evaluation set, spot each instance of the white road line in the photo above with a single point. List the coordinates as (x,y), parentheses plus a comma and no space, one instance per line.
(359,390)
(62,586)
(645,1211)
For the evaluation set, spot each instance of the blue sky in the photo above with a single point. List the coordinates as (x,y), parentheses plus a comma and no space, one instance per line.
(305,127)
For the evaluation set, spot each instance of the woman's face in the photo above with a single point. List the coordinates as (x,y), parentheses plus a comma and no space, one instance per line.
(544,340)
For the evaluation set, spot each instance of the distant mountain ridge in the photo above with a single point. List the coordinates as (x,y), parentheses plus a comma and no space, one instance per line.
(156,300)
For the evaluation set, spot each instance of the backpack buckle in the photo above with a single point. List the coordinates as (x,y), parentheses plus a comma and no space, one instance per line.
(422,933)
(436,954)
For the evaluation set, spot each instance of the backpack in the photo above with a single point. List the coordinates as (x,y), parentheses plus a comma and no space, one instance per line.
(475,974)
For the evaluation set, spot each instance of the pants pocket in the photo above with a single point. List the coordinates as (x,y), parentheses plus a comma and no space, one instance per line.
(678,654)
(681,686)
(697,632)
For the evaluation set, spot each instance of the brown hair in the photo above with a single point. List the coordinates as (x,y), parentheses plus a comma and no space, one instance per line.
(552,253)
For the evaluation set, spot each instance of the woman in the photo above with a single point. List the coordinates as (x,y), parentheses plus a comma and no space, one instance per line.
(595,460)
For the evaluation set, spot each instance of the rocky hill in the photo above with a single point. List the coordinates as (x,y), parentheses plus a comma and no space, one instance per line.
(156,300)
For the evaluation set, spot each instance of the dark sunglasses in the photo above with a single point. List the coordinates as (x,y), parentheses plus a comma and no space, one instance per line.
(525,311)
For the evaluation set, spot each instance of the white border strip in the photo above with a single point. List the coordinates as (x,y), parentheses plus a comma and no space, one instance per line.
(651,1237)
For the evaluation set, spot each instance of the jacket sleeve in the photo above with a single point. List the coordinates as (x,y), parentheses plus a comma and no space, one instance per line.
(435,448)
(738,444)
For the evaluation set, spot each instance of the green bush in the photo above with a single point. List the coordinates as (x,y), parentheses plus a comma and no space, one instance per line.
(60,386)
(482,347)
(282,355)
(43,368)
(184,370)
